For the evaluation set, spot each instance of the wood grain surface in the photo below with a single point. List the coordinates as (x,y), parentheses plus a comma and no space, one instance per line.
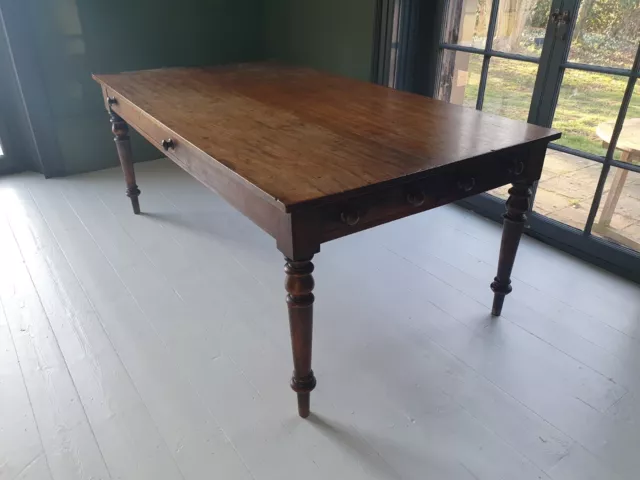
(300,136)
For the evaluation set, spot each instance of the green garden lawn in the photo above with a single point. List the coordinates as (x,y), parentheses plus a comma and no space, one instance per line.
(586,99)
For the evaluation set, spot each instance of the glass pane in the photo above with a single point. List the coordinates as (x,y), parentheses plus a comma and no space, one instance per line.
(459,77)
(508,93)
(566,188)
(509,88)
(628,146)
(587,100)
(467,22)
(521,26)
(501,192)
(618,217)
(606,33)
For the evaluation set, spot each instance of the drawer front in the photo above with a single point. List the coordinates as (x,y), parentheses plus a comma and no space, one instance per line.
(359,213)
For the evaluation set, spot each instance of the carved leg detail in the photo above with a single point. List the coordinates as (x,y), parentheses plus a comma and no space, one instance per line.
(120,131)
(299,285)
(514,222)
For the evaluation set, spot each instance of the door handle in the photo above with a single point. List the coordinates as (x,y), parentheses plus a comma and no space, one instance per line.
(561,19)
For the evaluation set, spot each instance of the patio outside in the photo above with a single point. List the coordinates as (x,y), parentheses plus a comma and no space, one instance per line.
(565,192)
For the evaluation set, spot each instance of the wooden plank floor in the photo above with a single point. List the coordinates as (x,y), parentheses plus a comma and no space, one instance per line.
(156,347)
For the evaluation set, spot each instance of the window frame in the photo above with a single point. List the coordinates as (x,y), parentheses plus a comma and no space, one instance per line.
(427,39)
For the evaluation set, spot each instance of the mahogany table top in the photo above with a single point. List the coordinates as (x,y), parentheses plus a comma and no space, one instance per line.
(300,136)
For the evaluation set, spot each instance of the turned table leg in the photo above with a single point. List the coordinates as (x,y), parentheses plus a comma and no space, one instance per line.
(514,222)
(120,131)
(299,285)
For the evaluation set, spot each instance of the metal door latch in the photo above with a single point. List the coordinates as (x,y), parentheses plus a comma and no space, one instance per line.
(561,19)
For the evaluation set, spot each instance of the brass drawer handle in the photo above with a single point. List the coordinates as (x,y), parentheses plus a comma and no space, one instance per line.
(350,218)
(168,144)
(416,198)
(467,185)
(517,167)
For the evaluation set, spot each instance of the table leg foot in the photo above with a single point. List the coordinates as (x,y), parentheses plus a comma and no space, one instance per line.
(135,203)
(120,131)
(304,404)
(514,222)
(299,285)
(498,302)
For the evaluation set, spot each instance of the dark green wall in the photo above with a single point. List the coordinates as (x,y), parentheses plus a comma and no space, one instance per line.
(331,35)
(70,39)
(74,38)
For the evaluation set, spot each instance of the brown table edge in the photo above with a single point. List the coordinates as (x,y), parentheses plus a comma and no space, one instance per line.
(413,177)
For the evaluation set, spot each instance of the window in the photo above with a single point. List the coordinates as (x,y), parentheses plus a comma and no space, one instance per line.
(571,65)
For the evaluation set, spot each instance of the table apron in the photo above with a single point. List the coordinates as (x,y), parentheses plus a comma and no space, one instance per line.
(456,182)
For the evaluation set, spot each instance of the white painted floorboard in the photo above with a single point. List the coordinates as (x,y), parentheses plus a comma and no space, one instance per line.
(157,346)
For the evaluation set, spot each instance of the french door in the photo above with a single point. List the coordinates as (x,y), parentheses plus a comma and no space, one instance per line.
(572,65)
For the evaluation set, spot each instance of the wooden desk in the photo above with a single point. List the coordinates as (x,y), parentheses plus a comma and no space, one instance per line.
(311,157)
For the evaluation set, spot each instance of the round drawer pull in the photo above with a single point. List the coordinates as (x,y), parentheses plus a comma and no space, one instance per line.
(112,101)
(416,198)
(168,144)
(517,167)
(467,185)
(350,218)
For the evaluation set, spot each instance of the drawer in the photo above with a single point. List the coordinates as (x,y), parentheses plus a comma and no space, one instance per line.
(440,188)
(159,135)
